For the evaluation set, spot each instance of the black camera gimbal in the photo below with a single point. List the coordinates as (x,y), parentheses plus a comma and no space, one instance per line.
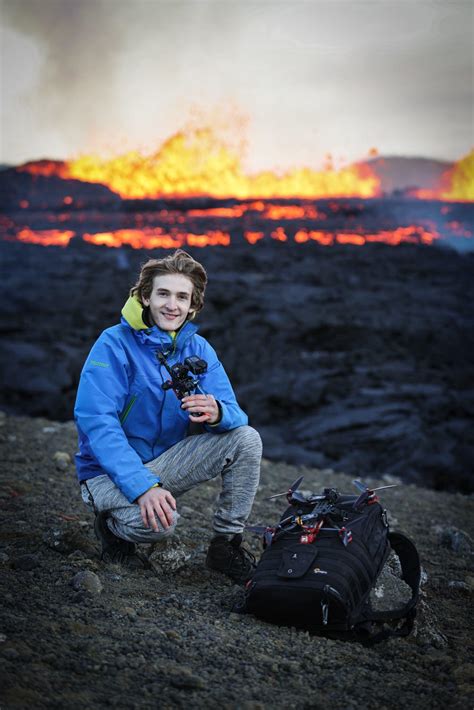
(182,382)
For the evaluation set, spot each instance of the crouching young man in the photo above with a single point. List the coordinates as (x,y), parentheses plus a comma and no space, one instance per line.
(135,458)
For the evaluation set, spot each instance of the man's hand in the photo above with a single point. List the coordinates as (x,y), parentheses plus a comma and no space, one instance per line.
(204,404)
(157,502)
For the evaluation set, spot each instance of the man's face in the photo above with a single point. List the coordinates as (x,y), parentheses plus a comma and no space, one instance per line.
(170,300)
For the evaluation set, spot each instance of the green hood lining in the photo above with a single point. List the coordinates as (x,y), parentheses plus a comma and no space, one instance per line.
(133,314)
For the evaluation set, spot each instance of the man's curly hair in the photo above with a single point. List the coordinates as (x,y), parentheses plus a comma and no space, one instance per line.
(178,263)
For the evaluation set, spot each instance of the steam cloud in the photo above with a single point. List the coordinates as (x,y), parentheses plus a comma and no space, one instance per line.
(81,43)
(339,77)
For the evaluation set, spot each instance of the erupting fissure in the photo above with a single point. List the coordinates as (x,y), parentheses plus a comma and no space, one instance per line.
(196,164)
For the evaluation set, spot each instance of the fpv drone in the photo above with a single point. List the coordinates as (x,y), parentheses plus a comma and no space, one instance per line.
(321,512)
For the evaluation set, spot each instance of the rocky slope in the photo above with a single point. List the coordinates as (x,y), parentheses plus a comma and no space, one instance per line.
(77,633)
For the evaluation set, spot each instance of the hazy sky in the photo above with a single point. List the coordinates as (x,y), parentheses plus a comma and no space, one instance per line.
(297,79)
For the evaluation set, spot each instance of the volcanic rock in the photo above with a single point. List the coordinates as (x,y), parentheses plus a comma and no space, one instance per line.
(62,460)
(87,581)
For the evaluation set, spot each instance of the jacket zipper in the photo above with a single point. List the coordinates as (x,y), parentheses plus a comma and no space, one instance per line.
(127,409)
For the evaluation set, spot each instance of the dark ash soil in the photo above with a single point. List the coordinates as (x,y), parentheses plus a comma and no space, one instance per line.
(168,638)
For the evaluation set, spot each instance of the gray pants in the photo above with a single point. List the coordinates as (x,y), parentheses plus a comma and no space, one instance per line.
(235,455)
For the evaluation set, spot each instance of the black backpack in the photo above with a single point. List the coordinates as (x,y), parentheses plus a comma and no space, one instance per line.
(321,562)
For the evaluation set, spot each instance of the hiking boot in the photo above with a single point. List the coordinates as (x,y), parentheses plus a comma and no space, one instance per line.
(114,549)
(227,555)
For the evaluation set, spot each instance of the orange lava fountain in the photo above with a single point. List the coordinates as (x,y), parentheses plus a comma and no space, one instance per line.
(197,163)
(457,184)
(461,180)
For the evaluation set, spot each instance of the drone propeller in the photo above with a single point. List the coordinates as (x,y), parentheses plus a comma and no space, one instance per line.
(367,494)
(363,488)
(291,490)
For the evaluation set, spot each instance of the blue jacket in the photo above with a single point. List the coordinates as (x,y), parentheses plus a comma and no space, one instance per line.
(124,417)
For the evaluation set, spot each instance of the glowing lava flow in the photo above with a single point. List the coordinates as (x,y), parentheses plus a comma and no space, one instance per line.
(46,237)
(268,211)
(413,234)
(157,238)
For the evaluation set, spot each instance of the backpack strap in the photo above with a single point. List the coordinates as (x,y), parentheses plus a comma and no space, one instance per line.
(411,574)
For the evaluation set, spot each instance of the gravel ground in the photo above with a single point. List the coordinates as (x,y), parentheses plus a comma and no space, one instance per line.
(77,633)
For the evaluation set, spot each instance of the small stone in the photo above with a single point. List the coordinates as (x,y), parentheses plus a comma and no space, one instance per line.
(3,558)
(173,635)
(87,581)
(11,437)
(49,429)
(130,611)
(426,631)
(26,562)
(62,460)
(470,581)
(263,658)
(289,666)
(183,678)
(3,638)
(454,539)
(186,510)
(390,590)
(172,599)
(170,557)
